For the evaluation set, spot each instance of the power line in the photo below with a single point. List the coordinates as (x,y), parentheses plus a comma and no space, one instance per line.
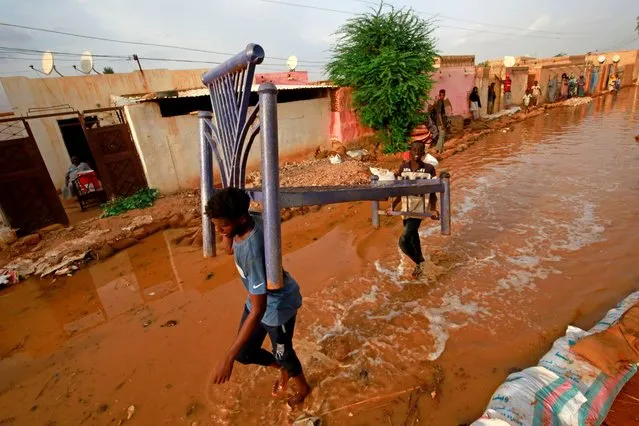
(306,6)
(452,18)
(621,43)
(4,49)
(137,43)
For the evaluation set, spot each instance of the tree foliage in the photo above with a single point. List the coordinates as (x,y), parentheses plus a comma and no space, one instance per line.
(108,70)
(560,54)
(386,56)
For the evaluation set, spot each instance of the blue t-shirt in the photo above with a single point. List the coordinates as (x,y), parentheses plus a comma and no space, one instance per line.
(281,305)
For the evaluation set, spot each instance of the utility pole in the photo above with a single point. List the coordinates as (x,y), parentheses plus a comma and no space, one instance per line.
(136,59)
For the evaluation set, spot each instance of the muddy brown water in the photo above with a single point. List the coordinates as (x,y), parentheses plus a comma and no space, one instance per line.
(545,234)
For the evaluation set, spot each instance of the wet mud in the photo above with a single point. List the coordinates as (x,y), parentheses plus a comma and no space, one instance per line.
(545,231)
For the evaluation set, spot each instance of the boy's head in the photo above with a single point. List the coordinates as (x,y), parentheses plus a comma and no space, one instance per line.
(228,209)
(442,94)
(417,150)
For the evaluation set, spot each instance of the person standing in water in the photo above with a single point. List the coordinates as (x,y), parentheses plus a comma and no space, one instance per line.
(409,241)
(265,312)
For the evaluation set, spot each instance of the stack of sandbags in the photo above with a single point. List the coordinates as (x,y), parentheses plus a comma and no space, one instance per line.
(531,397)
(599,387)
(577,381)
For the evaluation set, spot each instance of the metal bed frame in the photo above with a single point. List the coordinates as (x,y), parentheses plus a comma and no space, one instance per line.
(228,135)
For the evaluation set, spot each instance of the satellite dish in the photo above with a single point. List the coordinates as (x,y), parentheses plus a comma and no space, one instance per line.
(47,62)
(601,59)
(616,58)
(509,61)
(86,62)
(292,63)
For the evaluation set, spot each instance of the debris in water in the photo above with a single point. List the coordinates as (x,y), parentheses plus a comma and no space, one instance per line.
(193,408)
(130,412)
(63,266)
(8,277)
(103,408)
(170,323)
(577,101)
(147,323)
(433,394)
(306,420)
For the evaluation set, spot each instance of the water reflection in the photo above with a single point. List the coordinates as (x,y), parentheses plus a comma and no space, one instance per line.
(37,316)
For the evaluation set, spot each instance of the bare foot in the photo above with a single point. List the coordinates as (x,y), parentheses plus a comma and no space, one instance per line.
(419,271)
(280,385)
(299,396)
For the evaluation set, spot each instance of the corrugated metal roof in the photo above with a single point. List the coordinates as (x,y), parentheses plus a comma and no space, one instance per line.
(193,93)
(205,91)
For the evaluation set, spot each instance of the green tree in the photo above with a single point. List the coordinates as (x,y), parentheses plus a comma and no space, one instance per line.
(561,54)
(637,27)
(108,70)
(386,57)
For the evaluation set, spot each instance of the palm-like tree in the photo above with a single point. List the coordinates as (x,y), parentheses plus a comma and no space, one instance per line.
(637,27)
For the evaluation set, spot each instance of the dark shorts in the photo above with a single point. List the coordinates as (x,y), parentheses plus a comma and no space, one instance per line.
(282,343)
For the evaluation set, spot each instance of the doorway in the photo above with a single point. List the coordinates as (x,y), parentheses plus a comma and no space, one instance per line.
(77,145)
(75,140)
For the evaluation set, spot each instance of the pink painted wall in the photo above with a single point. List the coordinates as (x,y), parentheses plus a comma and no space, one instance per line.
(345,124)
(290,77)
(458,82)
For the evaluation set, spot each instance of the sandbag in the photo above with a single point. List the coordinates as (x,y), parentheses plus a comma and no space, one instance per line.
(599,388)
(488,420)
(614,314)
(613,349)
(429,159)
(382,174)
(536,396)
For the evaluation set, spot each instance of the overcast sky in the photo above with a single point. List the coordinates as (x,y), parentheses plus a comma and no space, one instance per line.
(541,28)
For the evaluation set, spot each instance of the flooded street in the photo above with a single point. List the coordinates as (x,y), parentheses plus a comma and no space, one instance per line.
(545,232)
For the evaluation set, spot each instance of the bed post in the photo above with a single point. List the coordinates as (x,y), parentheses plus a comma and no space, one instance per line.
(445,203)
(206,182)
(271,186)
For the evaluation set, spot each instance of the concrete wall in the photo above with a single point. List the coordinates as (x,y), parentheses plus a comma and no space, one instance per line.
(82,93)
(628,57)
(483,78)
(282,78)
(169,146)
(519,77)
